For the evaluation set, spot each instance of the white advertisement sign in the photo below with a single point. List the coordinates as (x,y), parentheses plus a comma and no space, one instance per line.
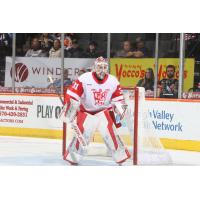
(170,119)
(30,112)
(173,120)
(178,120)
(34,72)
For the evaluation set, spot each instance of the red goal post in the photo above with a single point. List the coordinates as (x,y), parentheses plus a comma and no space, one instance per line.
(133,94)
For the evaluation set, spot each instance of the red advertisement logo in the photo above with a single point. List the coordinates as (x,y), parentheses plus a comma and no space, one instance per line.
(21,72)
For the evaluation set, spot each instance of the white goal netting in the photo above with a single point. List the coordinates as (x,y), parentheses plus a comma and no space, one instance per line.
(147,148)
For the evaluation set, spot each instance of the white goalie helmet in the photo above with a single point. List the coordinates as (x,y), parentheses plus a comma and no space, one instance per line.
(101,67)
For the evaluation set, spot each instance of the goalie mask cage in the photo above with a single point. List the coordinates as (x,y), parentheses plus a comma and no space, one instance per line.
(146,148)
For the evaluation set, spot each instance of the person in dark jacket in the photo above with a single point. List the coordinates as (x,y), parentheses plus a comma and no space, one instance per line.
(75,51)
(91,51)
(148,81)
(168,87)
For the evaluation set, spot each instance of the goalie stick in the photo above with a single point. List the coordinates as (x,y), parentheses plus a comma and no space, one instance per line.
(75,127)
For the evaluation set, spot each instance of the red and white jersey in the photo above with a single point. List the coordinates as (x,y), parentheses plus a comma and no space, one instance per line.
(95,95)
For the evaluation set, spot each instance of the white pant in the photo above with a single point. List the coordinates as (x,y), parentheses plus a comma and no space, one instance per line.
(103,123)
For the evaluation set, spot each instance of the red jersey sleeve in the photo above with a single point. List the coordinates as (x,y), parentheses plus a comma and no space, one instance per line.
(117,94)
(75,90)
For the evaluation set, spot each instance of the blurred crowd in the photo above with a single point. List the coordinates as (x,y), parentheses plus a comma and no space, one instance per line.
(49,45)
(95,45)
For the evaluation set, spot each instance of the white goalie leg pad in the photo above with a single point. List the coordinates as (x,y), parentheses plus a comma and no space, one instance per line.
(74,152)
(69,111)
(109,133)
(122,153)
(87,124)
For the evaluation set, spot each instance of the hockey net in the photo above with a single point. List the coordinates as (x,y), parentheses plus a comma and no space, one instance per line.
(144,145)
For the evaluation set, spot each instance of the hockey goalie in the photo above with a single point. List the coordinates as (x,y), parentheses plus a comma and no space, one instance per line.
(92,101)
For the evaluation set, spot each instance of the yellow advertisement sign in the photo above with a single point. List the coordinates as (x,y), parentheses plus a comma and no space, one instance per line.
(130,71)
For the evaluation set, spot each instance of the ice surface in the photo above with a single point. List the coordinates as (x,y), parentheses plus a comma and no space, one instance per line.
(21,151)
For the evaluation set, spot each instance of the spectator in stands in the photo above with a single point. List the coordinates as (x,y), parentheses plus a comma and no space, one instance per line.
(67,43)
(5,45)
(82,71)
(26,44)
(140,51)
(148,81)
(35,50)
(57,36)
(67,39)
(5,50)
(126,52)
(55,51)
(168,87)
(46,42)
(196,88)
(5,40)
(57,83)
(75,51)
(91,51)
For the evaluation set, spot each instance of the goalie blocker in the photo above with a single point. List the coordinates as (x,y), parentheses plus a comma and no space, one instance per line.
(99,94)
